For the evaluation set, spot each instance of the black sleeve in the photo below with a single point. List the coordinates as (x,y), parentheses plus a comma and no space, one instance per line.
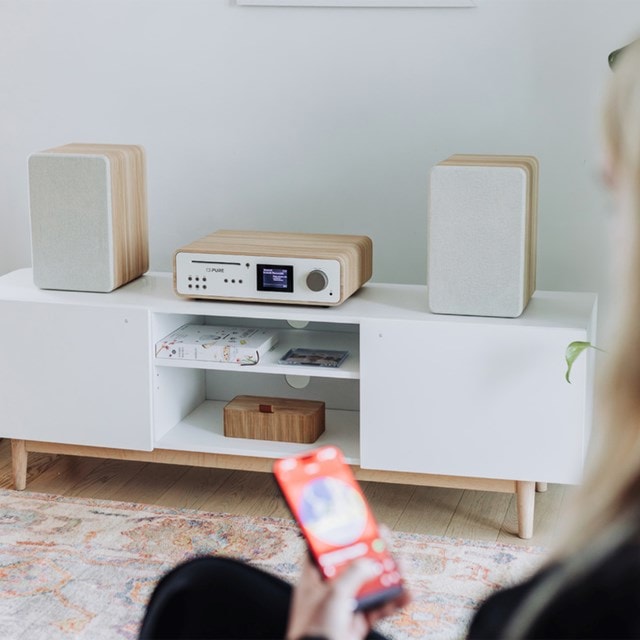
(494,614)
(604,603)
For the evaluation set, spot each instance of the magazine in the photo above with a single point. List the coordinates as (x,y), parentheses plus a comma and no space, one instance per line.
(314,357)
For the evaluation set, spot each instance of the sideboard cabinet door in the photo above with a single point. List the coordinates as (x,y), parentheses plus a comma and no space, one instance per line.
(75,374)
(472,399)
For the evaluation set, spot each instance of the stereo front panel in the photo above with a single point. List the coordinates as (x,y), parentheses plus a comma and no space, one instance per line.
(262,278)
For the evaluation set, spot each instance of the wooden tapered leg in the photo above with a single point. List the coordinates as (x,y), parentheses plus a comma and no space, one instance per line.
(19,457)
(526,500)
(541,487)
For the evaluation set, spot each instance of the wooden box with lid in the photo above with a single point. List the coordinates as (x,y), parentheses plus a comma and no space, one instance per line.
(281,419)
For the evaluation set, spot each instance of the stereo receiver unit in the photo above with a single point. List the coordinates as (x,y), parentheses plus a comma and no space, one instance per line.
(261,266)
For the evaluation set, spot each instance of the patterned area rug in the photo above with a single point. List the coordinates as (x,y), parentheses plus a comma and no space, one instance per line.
(77,568)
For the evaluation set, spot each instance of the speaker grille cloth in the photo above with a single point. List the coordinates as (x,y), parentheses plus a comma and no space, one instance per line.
(70,201)
(477,227)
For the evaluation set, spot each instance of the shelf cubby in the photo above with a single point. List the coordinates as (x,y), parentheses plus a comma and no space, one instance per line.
(203,430)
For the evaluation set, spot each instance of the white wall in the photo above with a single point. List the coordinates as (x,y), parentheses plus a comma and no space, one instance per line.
(320,120)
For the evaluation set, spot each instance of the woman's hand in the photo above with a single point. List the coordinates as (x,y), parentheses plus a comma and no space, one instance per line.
(327,608)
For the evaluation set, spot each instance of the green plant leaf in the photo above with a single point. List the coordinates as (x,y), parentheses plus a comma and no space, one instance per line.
(572,352)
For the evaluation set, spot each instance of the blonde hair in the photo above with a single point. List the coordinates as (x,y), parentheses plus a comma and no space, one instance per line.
(605,513)
(610,492)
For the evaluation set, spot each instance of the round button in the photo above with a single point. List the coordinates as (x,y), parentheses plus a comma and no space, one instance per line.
(317,280)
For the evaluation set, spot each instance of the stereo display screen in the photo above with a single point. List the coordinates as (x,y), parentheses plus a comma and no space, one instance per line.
(275,278)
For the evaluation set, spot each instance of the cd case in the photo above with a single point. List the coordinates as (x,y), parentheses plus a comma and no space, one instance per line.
(314,357)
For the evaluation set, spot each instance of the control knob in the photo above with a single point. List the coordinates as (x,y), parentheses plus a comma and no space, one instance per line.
(317,280)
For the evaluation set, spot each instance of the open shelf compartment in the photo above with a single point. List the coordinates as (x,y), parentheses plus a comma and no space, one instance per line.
(338,336)
(203,431)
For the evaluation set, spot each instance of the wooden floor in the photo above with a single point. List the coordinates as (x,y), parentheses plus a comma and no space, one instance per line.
(443,512)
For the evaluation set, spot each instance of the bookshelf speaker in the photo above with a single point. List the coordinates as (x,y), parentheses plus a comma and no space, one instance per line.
(482,235)
(88,212)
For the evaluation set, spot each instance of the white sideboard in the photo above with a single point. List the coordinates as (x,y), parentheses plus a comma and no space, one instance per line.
(422,398)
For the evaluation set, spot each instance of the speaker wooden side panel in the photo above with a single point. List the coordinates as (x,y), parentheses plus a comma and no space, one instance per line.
(533,226)
(131,247)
